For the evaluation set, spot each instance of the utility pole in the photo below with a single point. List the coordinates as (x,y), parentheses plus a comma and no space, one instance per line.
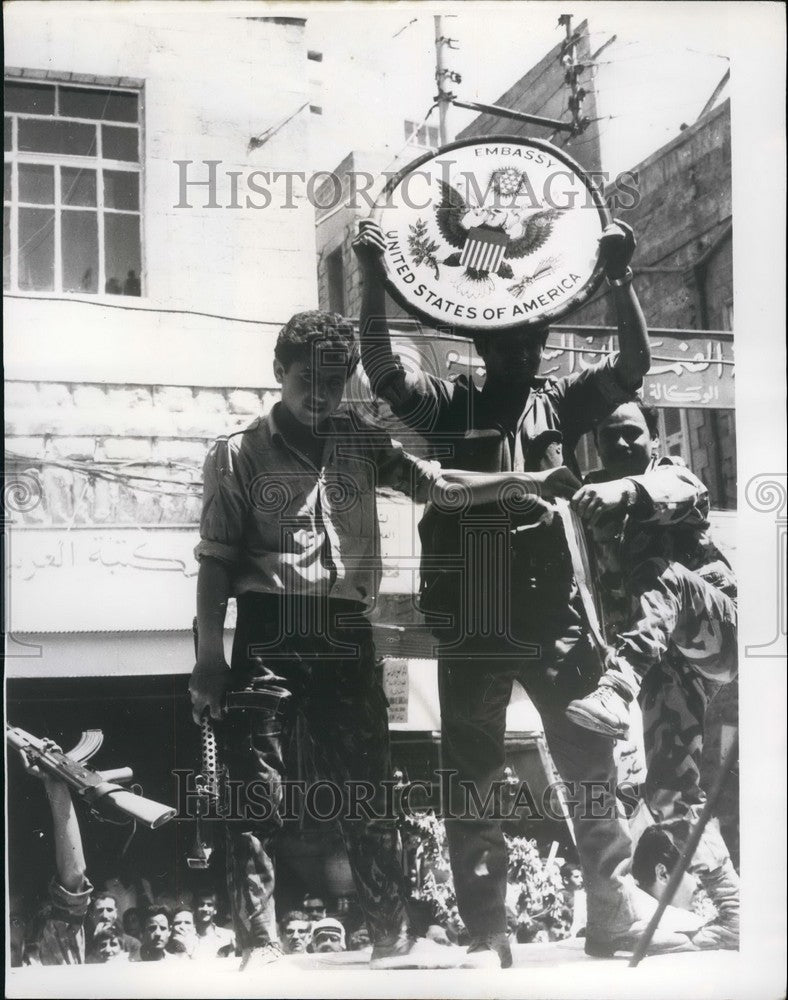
(573,70)
(444,77)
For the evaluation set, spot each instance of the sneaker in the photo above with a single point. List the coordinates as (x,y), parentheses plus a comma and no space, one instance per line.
(492,952)
(263,954)
(603,711)
(416,953)
(663,942)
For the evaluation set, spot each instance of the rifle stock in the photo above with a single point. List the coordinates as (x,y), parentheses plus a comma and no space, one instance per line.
(99,789)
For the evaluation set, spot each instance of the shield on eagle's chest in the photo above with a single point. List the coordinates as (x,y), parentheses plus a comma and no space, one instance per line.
(484,249)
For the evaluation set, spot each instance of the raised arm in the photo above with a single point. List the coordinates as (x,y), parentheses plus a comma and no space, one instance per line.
(386,375)
(634,352)
(69,854)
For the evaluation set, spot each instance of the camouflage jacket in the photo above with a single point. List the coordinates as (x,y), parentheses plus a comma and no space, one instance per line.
(59,932)
(668,521)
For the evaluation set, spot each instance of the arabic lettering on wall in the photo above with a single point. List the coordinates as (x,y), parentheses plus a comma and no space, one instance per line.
(695,372)
(111,550)
(115,553)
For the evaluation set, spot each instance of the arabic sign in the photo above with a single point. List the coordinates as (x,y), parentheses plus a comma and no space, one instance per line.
(101,579)
(694,373)
(396,688)
(144,578)
(492,234)
(690,368)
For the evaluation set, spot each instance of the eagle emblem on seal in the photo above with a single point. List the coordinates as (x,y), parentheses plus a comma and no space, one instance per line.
(486,239)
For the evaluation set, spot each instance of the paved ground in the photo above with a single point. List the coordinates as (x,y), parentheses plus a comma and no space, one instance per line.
(543,971)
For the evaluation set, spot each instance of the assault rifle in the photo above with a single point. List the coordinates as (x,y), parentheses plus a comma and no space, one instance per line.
(103,791)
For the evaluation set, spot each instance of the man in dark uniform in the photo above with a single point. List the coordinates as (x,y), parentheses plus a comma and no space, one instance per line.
(502,582)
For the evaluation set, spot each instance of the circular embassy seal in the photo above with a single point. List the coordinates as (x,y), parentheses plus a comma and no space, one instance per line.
(492,234)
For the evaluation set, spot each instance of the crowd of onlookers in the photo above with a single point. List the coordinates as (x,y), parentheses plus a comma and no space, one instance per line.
(110,930)
(120,925)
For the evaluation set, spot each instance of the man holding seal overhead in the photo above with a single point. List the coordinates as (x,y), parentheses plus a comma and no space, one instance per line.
(541,639)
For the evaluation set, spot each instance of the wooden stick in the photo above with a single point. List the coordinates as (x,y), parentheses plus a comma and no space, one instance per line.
(687,854)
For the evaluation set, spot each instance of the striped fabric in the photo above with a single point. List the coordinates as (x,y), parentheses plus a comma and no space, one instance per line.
(484,249)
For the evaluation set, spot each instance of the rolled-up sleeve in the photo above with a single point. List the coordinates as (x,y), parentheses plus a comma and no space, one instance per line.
(70,905)
(673,495)
(61,936)
(223,507)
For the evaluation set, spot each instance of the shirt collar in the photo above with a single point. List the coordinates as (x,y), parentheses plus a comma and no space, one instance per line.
(273,422)
(338,423)
(274,425)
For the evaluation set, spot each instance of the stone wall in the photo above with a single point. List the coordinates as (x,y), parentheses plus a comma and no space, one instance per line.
(84,439)
(684,217)
(683,212)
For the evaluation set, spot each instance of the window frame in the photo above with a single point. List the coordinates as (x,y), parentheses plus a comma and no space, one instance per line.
(97,163)
(678,442)
(412,130)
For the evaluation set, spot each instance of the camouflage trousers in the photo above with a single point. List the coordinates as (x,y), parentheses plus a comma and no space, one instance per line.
(674,699)
(679,616)
(324,668)
(681,646)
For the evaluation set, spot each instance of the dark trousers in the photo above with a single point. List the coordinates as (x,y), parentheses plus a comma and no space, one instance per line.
(324,667)
(474,695)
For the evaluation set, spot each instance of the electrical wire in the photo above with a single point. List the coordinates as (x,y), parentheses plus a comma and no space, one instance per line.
(404,27)
(657,53)
(143,309)
(551,66)
(95,470)
(409,140)
(260,140)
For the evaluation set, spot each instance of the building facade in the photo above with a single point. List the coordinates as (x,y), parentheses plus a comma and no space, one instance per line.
(153,247)
(145,278)
(684,271)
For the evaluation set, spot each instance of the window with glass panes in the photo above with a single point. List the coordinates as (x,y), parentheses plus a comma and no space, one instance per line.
(71,195)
